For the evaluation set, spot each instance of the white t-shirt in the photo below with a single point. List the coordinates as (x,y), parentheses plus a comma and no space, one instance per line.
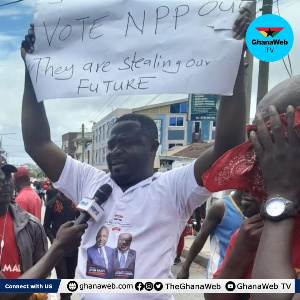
(154,211)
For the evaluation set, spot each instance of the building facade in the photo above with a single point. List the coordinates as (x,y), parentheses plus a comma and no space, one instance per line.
(68,144)
(78,145)
(72,145)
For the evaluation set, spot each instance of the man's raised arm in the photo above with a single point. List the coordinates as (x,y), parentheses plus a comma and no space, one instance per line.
(231,120)
(278,157)
(36,131)
(230,129)
(212,220)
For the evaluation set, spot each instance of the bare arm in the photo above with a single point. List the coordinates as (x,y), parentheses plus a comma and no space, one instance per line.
(36,134)
(231,120)
(240,257)
(243,252)
(279,160)
(214,217)
(35,127)
(68,239)
(276,251)
(230,129)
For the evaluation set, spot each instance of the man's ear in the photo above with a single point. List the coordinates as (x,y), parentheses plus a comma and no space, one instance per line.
(154,146)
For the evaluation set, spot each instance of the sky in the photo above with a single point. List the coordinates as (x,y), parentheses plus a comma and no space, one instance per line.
(68,114)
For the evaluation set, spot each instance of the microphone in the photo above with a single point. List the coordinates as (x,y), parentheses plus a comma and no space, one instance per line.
(92,208)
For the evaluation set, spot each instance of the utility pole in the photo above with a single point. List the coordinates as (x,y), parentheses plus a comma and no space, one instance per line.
(249,71)
(82,142)
(263,75)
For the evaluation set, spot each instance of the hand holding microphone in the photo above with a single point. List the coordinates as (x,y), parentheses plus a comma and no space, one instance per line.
(92,208)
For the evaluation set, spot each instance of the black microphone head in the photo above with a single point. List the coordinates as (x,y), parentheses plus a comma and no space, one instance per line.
(104,191)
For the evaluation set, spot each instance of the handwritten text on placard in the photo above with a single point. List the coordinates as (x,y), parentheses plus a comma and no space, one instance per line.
(97,47)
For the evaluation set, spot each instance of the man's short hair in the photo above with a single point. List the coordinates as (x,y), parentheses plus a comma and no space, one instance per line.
(147,124)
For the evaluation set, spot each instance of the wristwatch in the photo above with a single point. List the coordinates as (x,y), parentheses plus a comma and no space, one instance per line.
(278,208)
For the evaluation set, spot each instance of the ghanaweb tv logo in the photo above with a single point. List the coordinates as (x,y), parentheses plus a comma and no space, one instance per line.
(272,32)
(270,43)
(269,31)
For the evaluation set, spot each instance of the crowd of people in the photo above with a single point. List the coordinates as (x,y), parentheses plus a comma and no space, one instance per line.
(253,232)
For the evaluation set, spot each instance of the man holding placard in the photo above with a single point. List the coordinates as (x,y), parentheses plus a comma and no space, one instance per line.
(151,208)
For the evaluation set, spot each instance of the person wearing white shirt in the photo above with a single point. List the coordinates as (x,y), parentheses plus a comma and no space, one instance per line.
(152,207)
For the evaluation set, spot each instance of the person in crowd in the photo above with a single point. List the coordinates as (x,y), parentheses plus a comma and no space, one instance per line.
(39,190)
(67,239)
(222,221)
(278,151)
(187,230)
(152,207)
(100,254)
(50,193)
(59,211)
(27,198)
(199,216)
(45,186)
(23,240)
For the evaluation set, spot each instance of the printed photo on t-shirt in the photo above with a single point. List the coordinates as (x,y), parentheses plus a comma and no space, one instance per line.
(106,262)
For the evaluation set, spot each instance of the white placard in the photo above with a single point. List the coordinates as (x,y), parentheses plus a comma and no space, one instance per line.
(100,47)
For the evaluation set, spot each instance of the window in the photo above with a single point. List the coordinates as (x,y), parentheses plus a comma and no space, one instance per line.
(183,107)
(95,136)
(172,121)
(173,145)
(179,121)
(109,125)
(176,121)
(175,108)
(103,155)
(179,108)
(96,156)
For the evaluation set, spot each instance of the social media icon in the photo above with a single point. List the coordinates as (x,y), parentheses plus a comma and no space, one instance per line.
(158,286)
(149,286)
(139,286)
(230,286)
(72,286)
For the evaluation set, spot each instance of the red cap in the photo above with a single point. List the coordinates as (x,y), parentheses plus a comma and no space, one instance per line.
(21,171)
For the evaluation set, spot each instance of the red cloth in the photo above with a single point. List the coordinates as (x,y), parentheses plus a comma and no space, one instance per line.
(238,168)
(30,201)
(10,261)
(184,233)
(180,245)
(45,187)
(295,250)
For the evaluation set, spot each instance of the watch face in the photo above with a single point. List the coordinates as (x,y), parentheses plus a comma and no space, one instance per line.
(275,207)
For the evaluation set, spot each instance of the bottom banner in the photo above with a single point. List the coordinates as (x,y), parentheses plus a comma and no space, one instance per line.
(170,286)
